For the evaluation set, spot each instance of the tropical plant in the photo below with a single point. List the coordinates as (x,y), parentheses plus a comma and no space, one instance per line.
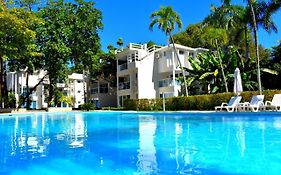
(258,15)
(203,73)
(167,19)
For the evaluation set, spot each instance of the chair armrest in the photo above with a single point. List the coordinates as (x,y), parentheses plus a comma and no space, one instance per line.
(260,103)
(224,104)
(267,103)
(246,103)
(243,104)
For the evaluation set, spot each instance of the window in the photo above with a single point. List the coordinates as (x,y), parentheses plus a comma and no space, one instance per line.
(79,102)
(164,54)
(181,52)
(94,90)
(78,81)
(104,88)
(79,92)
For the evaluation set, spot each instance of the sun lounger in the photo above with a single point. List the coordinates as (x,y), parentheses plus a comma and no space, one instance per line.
(254,105)
(275,104)
(231,105)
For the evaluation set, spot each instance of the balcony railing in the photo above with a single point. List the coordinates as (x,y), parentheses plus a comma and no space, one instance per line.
(123,66)
(168,82)
(124,85)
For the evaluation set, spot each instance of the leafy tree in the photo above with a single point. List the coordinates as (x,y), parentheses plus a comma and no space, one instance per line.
(69,37)
(17,39)
(191,36)
(108,66)
(29,4)
(84,41)
(166,19)
(29,63)
(53,39)
(120,42)
(272,81)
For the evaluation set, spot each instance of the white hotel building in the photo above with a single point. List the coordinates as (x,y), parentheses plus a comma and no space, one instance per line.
(16,82)
(150,72)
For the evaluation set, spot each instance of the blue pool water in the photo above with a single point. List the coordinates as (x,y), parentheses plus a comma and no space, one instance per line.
(140,143)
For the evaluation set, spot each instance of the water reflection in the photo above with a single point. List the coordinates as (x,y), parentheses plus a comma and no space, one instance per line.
(29,137)
(147,162)
(140,144)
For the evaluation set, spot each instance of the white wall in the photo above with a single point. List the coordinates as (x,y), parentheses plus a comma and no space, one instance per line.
(76,87)
(146,82)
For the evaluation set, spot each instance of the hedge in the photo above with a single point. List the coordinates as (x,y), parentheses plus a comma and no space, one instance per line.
(197,102)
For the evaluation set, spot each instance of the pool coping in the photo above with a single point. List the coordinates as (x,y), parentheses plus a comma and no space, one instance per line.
(264,113)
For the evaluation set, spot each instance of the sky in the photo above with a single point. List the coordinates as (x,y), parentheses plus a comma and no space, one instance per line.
(130,20)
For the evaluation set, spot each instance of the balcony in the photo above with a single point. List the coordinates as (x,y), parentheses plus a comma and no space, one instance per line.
(123,67)
(124,85)
(168,82)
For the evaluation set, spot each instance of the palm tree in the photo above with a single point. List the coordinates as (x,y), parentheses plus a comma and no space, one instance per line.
(254,15)
(166,19)
(250,3)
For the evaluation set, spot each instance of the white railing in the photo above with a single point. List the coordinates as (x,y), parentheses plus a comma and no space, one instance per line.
(124,85)
(153,48)
(135,46)
(168,82)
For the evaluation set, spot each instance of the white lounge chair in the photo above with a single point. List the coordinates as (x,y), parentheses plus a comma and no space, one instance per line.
(275,104)
(231,105)
(254,105)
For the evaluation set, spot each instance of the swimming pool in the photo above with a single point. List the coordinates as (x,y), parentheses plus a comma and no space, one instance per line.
(140,143)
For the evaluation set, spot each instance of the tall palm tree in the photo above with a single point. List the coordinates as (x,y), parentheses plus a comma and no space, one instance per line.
(166,19)
(251,3)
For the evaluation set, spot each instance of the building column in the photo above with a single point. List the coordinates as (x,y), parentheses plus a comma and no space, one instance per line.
(174,72)
(117,89)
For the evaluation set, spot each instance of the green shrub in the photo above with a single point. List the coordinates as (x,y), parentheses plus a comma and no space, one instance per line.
(87,106)
(198,102)
(11,101)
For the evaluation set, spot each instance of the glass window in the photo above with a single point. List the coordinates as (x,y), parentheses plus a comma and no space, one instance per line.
(181,52)
(104,88)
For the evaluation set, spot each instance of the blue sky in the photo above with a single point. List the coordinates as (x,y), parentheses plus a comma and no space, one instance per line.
(130,19)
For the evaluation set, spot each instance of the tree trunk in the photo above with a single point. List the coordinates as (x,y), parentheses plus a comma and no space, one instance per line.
(84,88)
(5,84)
(247,49)
(222,69)
(1,82)
(256,45)
(178,58)
(27,91)
(51,93)
(4,94)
